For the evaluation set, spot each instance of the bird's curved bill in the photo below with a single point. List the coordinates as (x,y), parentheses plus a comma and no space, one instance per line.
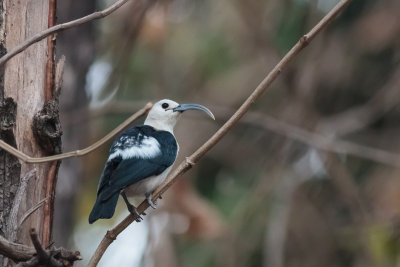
(183,107)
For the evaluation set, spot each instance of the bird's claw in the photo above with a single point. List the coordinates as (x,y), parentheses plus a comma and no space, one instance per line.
(150,201)
(132,209)
(135,213)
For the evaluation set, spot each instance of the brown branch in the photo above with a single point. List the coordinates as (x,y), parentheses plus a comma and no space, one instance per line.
(60,27)
(14,251)
(42,254)
(267,122)
(347,188)
(196,156)
(114,107)
(322,142)
(37,256)
(357,118)
(77,153)
(53,257)
(31,210)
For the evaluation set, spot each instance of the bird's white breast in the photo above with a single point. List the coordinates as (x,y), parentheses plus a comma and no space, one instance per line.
(147,185)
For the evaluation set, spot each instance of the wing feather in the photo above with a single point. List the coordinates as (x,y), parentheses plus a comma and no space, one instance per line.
(129,172)
(134,156)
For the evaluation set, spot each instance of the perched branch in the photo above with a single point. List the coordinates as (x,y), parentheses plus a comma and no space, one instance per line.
(196,156)
(60,27)
(77,153)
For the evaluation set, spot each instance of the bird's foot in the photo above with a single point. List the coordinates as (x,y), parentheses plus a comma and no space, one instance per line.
(135,213)
(132,209)
(150,201)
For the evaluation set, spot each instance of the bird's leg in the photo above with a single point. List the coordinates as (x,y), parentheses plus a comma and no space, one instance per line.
(150,201)
(132,209)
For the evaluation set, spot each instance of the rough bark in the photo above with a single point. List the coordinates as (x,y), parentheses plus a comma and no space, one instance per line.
(25,83)
(9,165)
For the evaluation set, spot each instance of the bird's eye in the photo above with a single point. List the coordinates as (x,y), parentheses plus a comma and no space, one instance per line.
(165,105)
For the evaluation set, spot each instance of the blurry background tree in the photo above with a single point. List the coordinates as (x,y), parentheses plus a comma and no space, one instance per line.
(78,46)
(261,197)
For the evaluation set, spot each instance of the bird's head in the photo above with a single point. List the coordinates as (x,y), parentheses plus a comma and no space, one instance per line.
(165,113)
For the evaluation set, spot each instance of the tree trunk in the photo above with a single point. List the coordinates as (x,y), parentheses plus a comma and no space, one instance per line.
(29,120)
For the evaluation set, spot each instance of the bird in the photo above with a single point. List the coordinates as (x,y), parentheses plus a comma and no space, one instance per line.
(140,159)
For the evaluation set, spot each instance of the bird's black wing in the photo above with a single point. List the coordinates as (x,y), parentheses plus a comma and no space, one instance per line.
(127,139)
(148,154)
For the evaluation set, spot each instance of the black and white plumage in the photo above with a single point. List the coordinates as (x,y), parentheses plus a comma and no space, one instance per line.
(140,159)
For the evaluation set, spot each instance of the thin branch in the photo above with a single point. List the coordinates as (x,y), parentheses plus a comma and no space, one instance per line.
(32,210)
(60,27)
(49,257)
(52,257)
(77,153)
(113,108)
(196,156)
(322,142)
(346,187)
(37,256)
(267,122)
(40,251)
(356,118)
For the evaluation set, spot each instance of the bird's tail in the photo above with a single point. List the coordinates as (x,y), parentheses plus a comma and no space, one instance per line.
(103,209)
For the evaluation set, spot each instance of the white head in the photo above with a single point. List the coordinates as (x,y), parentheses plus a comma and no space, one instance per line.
(165,113)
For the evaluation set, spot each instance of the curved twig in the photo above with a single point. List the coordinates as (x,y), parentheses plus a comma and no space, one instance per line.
(60,27)
(196,156)
(267,122)
(31,210)
(77,153)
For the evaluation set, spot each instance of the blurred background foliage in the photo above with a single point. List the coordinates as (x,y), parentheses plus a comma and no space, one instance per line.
(263,196)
